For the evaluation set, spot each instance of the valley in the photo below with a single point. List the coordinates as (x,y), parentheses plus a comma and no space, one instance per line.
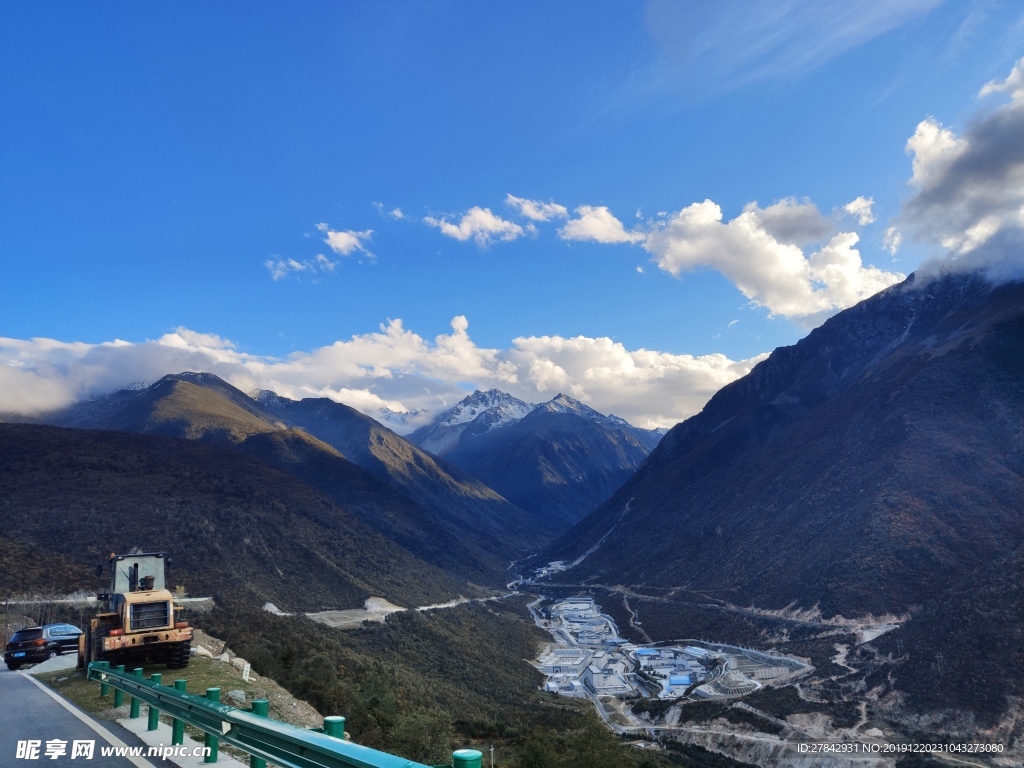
(589,659)
(768,706)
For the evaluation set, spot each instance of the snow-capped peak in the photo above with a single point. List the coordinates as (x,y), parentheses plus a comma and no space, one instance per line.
(562,403)
(269,397)
(505,408)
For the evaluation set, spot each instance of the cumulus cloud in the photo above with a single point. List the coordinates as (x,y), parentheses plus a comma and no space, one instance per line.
(646,387)
(861,209)
(345,242)
(772,272)
(597,224)
(391,370)
(968,190)
(482,226)
(537,210)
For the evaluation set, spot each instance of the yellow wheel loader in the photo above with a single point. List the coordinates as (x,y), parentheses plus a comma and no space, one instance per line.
(140,621)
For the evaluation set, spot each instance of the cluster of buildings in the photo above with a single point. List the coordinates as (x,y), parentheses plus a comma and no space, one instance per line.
(589,659)
(675,669)
(592,663)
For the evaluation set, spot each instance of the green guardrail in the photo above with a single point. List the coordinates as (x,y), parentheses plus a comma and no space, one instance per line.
(251,731)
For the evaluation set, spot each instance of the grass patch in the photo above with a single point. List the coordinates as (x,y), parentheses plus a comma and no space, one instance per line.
(201,673)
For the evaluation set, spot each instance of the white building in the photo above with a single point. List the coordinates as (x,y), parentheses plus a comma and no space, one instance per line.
(565,686)
(565,661)
(605,682)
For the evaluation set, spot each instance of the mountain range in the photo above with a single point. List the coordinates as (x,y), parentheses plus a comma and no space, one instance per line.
(426,505)
(559,459)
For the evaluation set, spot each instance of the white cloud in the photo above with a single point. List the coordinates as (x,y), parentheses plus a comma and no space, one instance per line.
(281,268)
(394,213)
(892,240)
(482,226)
(861,209)
(934,149)
(968,190)
(392,369)
(345,242)
(771,272)
(537,210)
(596,223)
(1013,84)
(30,392)
(646,387)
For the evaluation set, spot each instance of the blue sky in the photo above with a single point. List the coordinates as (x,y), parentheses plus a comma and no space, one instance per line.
(162,165)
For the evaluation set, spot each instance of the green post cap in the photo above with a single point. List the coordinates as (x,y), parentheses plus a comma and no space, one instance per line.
(467,758)
(335,726)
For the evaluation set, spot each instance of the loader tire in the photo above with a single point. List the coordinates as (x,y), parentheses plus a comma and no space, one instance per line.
(179,654)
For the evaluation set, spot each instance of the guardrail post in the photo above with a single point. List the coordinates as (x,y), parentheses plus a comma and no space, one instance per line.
(154,713)
(118,693)
(104,688)
(134,712)
(467,758)
(178,726)
(335,726)
(212,742)
(260,707)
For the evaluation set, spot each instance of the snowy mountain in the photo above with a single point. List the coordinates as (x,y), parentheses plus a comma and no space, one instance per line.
(492,409)
(559,459)
(565,404)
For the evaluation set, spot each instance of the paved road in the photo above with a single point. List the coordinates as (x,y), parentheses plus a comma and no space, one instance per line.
(27,712)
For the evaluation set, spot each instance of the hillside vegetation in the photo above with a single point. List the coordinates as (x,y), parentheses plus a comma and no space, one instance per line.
(421,682)
(235,526)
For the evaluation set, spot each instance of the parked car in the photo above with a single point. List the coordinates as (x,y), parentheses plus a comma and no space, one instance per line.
(34,644)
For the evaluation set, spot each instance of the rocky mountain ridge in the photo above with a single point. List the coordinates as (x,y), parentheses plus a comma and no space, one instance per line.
(858,470)
(422,502)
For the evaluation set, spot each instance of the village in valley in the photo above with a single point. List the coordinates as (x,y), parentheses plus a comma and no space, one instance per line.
(588,659)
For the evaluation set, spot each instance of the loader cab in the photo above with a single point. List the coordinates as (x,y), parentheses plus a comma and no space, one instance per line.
(137,573)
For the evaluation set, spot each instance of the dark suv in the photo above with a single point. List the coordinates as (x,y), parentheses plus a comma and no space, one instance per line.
(33,644)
